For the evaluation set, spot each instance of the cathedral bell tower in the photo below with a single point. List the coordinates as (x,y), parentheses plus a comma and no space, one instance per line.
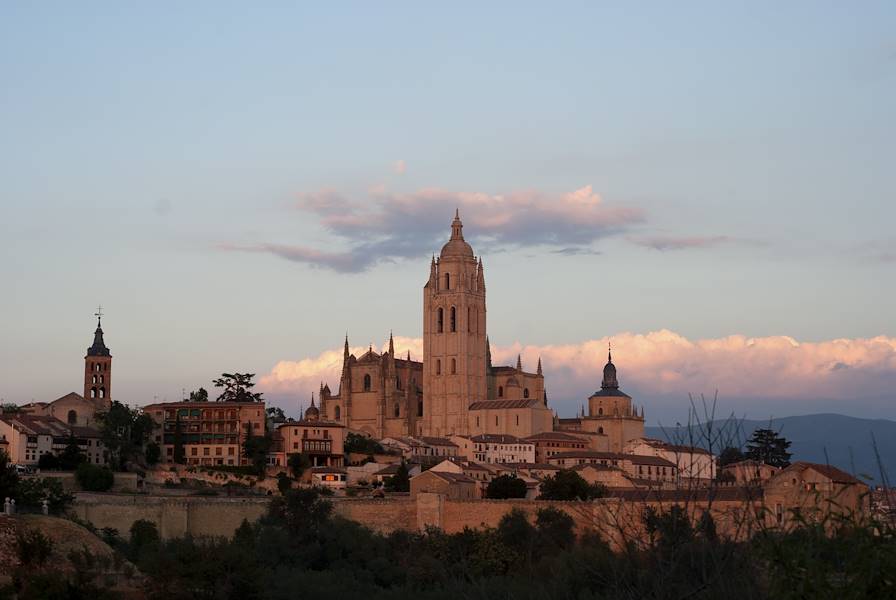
(454,339)
(98,368)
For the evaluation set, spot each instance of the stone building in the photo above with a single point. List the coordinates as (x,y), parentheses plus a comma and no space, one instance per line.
(29,437)
(610,413)
(212,433)
(383,395)
(320,440)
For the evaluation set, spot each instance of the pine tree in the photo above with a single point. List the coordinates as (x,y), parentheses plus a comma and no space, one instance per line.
(768,447)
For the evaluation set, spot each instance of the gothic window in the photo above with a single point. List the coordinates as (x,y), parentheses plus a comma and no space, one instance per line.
(469,320)
(453,319)
(102,392)
(367,382)
(600,430)
(419,408)
(336,412)
(102,379)
(397,410)
(517,420)
(440,320)
(447,281)
(453,366)
(94,379)
(600,411)
(93,393)
(525,392)
(72,417)
(496,420)
(438,366)
(500,391)
(398,383)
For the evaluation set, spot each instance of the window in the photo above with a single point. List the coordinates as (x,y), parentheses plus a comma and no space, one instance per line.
(440,316)
(102,392)
(447,281)
(93,393)
(438,366)
(453,319)
(517,420)
(419,408)
(469,320)
(367,382)
(496,420)
(72,417)
(336,412)
(94,380)
(600,411)
(600,430)
(525,392)
(500,391)
(453,366)
(102,380)
(193,451)
(397,410)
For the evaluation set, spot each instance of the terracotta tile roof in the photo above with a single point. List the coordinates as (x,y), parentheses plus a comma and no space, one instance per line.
(451,477)
(495,438)
(437,441)
(589,454)
(832,473)
(654,443)
(554,436)
(502,404)
(649,460)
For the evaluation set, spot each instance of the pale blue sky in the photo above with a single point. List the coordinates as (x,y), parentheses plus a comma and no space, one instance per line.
(139,139)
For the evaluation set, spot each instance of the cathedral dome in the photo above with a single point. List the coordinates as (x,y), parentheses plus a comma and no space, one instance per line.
(457,246)
(609,381)
(312,413)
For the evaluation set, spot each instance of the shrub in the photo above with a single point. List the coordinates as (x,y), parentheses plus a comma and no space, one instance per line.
(152,453)
(32,492)
(48,462)
(94,478)
(506,486)
(34,548)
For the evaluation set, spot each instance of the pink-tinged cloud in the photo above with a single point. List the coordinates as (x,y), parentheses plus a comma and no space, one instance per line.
(386,226)
(664,364)
(400,167)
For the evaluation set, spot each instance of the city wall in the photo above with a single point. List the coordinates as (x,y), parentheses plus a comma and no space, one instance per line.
(210,516)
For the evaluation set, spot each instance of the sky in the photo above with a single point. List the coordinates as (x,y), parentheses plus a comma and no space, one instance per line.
(707,185)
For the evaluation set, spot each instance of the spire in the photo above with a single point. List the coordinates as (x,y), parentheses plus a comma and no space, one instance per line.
(312,399)
(409,356)
(519,363)
(457,227)
(345,351)
(610,382)
(99,345)
(391,345)
(538,371)
(488,354)
(609,352)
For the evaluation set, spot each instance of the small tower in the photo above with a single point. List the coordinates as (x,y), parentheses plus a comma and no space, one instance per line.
(98,367)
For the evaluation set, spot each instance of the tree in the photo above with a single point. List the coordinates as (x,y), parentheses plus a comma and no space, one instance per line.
(401,481)
(506,486)
(255,449)
(768,447)
(276,414)
(298,463)
(179,453)
(33,491)
(237,388)
(94,478)
(730,455)
(9,408)
(569,485)
(284,482)
(356,443)
(554,529)
(71,455)
(144,535)
(200,395)
(48,462)
(9,479)
(152,453)
(124,431)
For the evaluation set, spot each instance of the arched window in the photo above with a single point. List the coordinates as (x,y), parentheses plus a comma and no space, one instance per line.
(525,392)
(453,366)
(94,379)
(72,417)
(440,320)
(447,281)
(453,319)
(93,393)
(500,391)
(419,408)
(367,382)
(438,366)
(398,383)
(336,412)
(102,392)
(469,320)
(397,410)
(600,430)
(517,420)
(102,379)
(600,411)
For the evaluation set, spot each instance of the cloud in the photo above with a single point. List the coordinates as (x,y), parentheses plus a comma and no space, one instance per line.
(664,243)
(399,166)
(662,367)
(387,226)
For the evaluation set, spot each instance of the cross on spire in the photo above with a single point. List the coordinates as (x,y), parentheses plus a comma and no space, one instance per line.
(99,314)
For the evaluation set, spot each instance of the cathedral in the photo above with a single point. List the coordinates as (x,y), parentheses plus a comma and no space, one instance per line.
(456,389)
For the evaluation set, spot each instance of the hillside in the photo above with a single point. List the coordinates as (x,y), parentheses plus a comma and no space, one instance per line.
(845,442)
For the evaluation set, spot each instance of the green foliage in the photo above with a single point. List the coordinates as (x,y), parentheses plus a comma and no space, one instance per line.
(566,484)
(9,479)
(124,431)
(33,548)
(284,482)
(237,387)
(200,395)
(94,478)
(180,455)
(356,443)
(768,447)
(256,448)
(401,481)
(71,455)
(153,453)
(33,491)
(506,486)
(48,462)
(144,536)
(298,463)
(730,455)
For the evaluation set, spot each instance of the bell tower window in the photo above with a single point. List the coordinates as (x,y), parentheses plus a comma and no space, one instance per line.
(440,320)
(72,417)
(453,319)
(447,281)
(525,392)
(500,391)
(367,382)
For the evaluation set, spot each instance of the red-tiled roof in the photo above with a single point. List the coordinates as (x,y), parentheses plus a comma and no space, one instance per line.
(554,436)
(832,473)
(495,438)
(437,441)
(502,404)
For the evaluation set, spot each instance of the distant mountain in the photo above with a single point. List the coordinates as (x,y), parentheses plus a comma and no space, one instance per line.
(844,442)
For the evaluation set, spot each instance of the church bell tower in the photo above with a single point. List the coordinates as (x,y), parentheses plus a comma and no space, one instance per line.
(98,367)
(454,337)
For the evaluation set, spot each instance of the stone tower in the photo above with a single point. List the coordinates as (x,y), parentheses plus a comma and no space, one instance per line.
(98,368)
(454,338)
